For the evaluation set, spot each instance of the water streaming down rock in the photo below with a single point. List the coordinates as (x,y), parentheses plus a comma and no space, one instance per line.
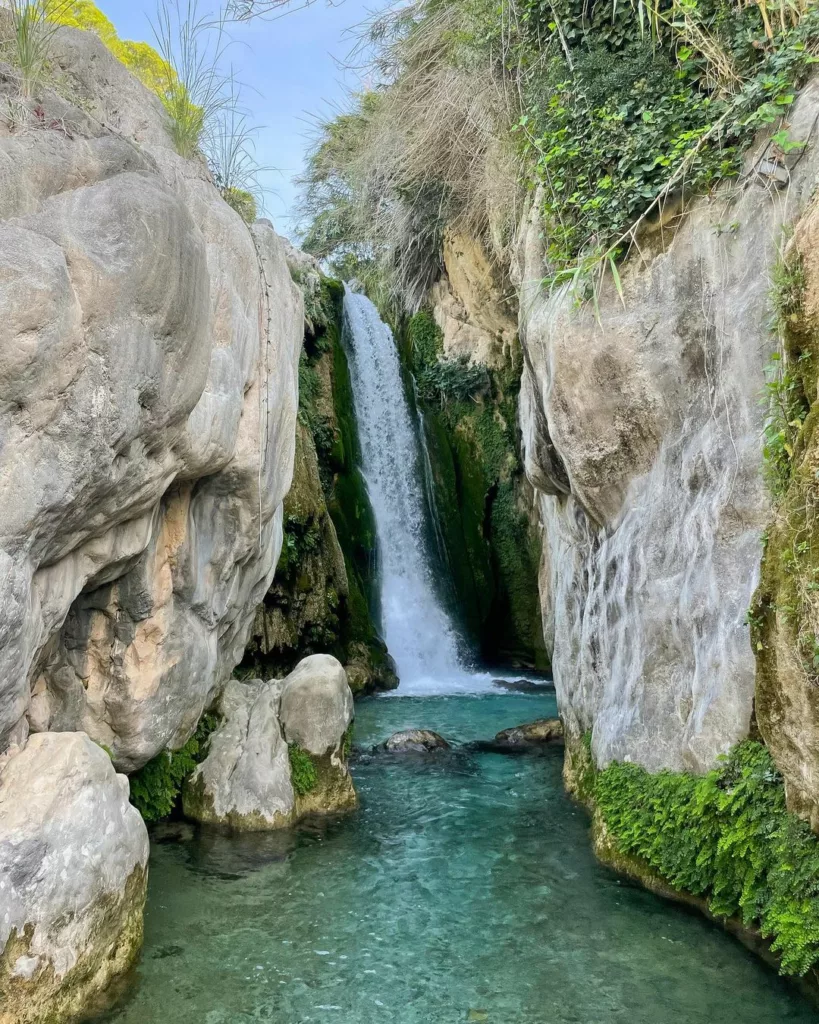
(418,631)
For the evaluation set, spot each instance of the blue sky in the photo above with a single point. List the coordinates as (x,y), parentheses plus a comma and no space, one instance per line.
(289,68)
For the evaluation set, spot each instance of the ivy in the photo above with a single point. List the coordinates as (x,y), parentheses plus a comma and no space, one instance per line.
(155,788)
(726,836)
(616,118)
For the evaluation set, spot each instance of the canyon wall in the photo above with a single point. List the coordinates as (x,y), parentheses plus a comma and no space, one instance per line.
(642,428)
(149,345)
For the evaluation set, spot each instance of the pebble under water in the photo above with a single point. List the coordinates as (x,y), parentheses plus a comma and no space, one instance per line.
(463,889)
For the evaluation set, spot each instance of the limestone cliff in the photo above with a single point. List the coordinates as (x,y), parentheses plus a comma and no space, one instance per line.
(149,345)
(643,437)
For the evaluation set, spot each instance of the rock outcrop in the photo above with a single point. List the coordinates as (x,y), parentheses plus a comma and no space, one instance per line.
(149,345)
(279,753)
(73,871)
(642,433)
(149,355)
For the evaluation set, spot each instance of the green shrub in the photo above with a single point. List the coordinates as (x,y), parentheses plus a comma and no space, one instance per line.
(242,201)
(155,788)
(452,380)
(425,340)
(726,836)
(303,772)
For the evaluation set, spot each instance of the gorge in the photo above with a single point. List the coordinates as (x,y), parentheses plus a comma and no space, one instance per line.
(522,432)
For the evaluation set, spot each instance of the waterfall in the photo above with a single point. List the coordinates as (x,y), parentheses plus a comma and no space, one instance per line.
(418,631)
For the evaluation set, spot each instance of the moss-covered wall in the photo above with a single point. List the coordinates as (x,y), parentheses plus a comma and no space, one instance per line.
(324,597)
(784,615)
(480,496)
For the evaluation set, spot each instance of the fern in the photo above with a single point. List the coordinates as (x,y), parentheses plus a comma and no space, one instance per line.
(728,837)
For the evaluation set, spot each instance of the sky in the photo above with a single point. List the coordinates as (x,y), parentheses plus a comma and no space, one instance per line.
(289,70)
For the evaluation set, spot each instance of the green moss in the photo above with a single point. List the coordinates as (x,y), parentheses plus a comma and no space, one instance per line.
(155,788)
(490,549)
(303,771)
(784,606)
(725,836)
(424,341)
(347,740)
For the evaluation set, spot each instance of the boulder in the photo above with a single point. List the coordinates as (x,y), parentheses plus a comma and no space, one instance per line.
(244,782)
(149,346)
(279,753)
(415,741)
(316,713)
(316,704)
(73,873)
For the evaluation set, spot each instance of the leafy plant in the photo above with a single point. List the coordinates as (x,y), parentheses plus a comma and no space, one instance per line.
(195,90)
(726,836)
(303,772)
(452,380)
(33,24)
(155,788)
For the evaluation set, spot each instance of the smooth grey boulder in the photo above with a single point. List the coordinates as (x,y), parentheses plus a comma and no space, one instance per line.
(244,782)
(417,741)
(279,753)
(316,704)
(73,873)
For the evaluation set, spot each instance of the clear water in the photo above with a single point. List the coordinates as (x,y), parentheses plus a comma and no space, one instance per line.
(462,889)
(417,629)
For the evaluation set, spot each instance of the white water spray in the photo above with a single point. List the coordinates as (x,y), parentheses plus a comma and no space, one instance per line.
(418,631)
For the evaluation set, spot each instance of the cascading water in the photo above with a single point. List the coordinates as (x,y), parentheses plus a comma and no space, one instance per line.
(418,632)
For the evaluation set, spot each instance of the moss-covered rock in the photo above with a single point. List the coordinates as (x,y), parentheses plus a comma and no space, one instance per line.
(481,499)
(784,614)
(324,597)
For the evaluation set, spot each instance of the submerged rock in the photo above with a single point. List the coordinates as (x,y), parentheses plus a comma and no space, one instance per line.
(279,752)
(521,738)
(418,741)
(73,872)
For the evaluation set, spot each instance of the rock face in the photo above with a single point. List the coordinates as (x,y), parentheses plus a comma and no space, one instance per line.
(472,305)
(73,871)
(785,612)
(279,753)
(148,366)
(416,741)
(642,436)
